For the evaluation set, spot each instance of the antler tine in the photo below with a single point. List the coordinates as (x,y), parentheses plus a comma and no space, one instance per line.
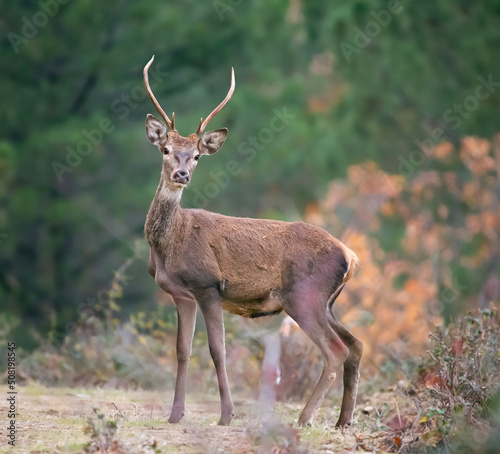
(170,124)
(203,124)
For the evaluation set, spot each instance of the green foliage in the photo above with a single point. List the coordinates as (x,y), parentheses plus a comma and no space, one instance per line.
(409,76)
(70,212)
(97,349)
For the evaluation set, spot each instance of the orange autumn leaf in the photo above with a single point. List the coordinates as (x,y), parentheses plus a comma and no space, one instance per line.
(443,150)
(415,287)
(431,380)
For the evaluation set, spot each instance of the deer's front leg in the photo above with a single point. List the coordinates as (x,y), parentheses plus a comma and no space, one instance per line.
(210,305)
(186,315)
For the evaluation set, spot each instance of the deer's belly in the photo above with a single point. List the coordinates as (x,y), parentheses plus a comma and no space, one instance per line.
(246,306)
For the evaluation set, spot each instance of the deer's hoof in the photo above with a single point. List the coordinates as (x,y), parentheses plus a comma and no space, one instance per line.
(305,422)
(175,418)
(342,425)
(225,420)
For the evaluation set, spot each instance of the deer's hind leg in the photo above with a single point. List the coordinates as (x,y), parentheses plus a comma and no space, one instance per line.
(351,365)
(307,307)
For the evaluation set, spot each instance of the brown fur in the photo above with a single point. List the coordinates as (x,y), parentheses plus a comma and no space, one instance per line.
(253,257)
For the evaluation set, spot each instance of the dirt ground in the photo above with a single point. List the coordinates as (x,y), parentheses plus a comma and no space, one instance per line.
(52,420)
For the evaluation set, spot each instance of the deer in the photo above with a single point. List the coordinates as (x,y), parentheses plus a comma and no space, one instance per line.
(249,267)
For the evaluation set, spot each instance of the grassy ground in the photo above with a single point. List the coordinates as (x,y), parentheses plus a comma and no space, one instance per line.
(448,402)
(52,420)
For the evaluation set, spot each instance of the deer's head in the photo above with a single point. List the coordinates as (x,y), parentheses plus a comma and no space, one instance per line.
(181,154)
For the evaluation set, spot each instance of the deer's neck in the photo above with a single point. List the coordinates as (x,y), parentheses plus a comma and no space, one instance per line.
(163,215)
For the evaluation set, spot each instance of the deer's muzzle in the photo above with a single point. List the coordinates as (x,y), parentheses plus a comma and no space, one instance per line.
(181,176)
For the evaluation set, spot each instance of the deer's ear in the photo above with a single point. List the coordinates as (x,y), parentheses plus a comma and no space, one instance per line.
(155,130)
(212,141)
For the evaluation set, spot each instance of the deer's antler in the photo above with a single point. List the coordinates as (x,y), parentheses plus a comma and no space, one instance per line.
(203,124)
(170,124)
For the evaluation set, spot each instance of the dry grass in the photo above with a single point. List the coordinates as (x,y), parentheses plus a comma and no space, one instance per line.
(52,420)
(452,405)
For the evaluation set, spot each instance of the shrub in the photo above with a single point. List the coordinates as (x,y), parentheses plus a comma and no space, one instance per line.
(461,378)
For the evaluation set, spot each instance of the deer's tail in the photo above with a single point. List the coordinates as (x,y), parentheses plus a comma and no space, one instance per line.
(352,264)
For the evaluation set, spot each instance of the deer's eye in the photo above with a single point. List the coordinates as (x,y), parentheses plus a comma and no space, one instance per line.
(197,157)
(166,150)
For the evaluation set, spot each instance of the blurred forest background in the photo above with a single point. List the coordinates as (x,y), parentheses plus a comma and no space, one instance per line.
(387,136)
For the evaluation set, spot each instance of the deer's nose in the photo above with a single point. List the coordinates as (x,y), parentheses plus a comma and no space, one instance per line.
(181,176)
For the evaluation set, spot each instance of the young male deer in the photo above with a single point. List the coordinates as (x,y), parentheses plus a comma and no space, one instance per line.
(249,267)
